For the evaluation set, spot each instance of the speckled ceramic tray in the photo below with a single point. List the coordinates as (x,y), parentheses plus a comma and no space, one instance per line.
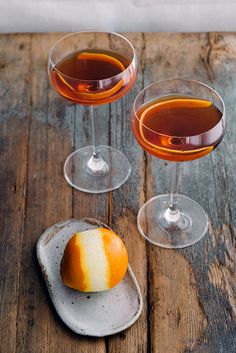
(92,314)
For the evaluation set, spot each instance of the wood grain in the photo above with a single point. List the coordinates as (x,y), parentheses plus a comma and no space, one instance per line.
(199,315)
(14,118)
(189,295)
(124,203)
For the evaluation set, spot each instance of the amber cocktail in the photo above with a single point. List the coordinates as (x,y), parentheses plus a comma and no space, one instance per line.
(94,68)
(176,120)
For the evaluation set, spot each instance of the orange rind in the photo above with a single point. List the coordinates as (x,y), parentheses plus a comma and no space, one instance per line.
(82,90)
(101,57)
(94,260)
(188,103)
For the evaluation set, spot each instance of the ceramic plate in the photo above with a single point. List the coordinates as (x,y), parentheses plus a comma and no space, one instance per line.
(92,314)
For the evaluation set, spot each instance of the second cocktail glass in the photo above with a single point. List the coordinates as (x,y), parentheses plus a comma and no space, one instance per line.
(176,120)
(94,68)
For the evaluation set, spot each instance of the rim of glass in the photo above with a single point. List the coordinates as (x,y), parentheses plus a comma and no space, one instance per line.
(121,74)
(181,80)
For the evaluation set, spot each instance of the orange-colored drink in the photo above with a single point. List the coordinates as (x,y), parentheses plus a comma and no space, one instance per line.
(93,77)
(178,128)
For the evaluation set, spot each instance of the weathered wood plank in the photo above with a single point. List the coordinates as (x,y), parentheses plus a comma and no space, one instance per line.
(49,200)
(89,205)
(219,256)
(14,113)
(124,205)
(187,313)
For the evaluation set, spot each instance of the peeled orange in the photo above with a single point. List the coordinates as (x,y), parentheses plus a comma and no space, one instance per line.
(94,260)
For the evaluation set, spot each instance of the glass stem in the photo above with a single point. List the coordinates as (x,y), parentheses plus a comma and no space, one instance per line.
(174,187)
(96,165)
(172,214)
(96,152)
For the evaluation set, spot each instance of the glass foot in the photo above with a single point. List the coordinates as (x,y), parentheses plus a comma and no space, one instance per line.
(88,174)
(157,225)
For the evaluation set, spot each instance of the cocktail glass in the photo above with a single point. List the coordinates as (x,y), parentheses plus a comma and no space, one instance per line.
(93,68)
(176,120)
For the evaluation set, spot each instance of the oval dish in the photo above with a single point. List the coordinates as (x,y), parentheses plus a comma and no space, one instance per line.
(92,314)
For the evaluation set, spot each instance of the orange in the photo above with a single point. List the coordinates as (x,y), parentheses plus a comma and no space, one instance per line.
(94,260)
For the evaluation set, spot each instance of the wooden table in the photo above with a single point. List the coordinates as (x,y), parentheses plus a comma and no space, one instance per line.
(189,295)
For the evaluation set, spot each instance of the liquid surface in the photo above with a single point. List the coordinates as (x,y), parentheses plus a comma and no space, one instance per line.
(91,65)
(178,128)
(80,76)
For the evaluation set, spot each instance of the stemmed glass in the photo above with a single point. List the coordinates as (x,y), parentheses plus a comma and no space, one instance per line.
(93,68)
(176,120)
